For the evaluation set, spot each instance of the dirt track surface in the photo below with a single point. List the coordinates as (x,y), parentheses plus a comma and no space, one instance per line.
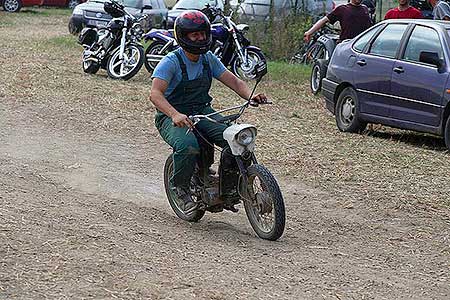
(83,213)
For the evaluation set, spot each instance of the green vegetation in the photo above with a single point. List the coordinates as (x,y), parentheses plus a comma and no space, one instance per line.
(64,41)
(288,73)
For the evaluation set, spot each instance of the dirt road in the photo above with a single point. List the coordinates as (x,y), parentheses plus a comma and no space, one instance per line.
(83,213)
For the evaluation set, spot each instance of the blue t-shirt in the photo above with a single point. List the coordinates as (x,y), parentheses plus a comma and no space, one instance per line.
(169,68)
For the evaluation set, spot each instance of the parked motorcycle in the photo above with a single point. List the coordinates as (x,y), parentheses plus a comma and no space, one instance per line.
(239,175)
(229,45)
(115,47)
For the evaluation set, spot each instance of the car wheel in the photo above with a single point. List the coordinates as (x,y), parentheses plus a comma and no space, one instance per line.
(12,5)
(347,112)
(319,71)
(72,3)
(447,133)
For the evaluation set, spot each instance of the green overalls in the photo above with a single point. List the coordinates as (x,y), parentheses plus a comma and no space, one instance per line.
(189,97)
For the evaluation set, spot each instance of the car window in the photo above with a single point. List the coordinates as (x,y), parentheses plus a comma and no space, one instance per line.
(154,4)
(422,39)
(361,43)
(197,4)
(387,42)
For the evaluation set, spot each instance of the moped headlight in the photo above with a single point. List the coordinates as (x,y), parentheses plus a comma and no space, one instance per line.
(246,136)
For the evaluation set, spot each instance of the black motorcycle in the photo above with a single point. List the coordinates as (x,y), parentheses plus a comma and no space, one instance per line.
(241,177)
(115,47)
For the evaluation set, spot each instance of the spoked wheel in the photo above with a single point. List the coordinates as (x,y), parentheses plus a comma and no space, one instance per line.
(265,208)
(72,3)
(131,63)
(12,5)
(154,49)
(90,67)
(245,71)
(174,201)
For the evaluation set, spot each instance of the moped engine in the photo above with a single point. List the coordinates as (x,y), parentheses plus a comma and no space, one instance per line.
(105,38)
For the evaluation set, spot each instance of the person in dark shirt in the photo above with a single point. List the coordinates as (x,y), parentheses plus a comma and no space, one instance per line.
(403,11)
(353,17)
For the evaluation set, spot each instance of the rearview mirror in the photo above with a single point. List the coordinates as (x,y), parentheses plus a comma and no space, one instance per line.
(146,7)
(431,58)
(260,69)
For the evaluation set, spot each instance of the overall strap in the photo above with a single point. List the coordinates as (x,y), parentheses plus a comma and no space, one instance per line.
(182,66)
(206,66)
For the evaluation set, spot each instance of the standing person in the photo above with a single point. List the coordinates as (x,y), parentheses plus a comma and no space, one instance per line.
(441,10)
(403,11)
(353,17)
(180,87)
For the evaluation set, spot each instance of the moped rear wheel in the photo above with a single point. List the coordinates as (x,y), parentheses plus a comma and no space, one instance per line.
(174,201)
(265,207)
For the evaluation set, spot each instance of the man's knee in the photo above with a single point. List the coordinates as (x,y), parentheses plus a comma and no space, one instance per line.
(187,146)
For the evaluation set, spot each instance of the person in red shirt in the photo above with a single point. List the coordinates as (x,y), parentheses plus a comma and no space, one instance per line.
(403,11)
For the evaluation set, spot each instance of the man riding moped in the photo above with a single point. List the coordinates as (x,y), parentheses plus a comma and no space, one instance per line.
(180,87)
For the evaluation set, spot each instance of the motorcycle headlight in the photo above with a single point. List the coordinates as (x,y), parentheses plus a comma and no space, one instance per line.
(137,29)
(246,136)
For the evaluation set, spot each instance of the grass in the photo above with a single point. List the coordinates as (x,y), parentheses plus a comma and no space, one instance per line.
(290,73)
(65,41)
(47,11)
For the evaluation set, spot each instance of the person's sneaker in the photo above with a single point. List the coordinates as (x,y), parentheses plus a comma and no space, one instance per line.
(187,205)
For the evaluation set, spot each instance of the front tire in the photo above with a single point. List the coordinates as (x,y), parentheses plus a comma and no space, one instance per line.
(447,133)
(266,202)
(318,72)
(246,71)
(133,58)
(12,5)
(174,202)
(347,112)
(153,49)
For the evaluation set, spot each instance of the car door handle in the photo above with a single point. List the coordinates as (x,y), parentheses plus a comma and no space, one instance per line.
(398,70)
(361,62)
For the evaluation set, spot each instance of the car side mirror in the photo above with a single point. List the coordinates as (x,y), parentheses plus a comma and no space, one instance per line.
(146,7)
(431,58)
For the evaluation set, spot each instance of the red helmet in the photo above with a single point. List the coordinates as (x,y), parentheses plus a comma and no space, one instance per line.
(193,21)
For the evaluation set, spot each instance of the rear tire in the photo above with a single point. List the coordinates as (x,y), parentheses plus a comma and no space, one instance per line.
(318,72)
(447,133)
(194,216)
(347,112)
(90,67)
(264,203)
(12,5)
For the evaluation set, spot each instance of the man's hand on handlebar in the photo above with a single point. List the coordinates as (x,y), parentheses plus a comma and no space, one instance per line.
(181,120)
(259,99)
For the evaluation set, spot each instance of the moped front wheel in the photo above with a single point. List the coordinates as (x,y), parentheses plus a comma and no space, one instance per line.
(265,205)
(129,65)
(174,201)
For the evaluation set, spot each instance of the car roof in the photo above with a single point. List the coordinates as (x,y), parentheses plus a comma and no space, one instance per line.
(434,23)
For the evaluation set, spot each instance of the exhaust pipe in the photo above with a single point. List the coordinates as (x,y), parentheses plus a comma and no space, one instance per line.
(154,58)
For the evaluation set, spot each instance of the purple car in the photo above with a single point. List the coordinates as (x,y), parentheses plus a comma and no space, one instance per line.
(396,73)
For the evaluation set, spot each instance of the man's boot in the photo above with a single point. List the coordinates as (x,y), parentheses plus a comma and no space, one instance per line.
(184,195)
